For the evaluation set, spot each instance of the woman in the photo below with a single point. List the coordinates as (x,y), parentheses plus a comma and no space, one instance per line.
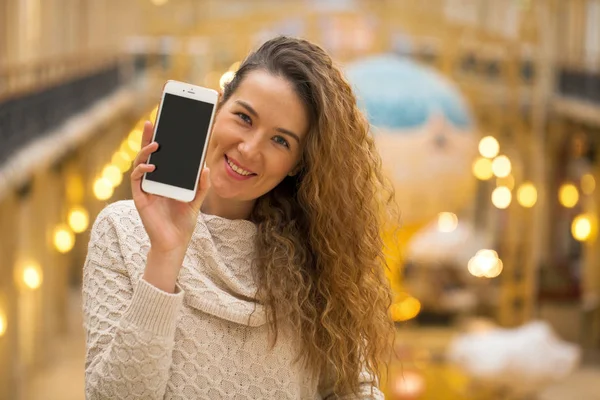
(269,285)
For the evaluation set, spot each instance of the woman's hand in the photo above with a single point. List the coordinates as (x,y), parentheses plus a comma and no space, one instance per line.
(169,223)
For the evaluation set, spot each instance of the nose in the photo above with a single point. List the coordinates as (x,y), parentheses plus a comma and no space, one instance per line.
(249,147)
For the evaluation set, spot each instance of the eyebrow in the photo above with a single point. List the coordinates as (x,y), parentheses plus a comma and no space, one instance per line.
(255,114)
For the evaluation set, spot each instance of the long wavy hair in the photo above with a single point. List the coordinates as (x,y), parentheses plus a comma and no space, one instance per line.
(320,257)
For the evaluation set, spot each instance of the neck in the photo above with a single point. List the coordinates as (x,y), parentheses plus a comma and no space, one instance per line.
(226,208)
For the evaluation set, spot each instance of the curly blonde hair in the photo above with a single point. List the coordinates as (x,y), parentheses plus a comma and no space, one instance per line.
(320,254)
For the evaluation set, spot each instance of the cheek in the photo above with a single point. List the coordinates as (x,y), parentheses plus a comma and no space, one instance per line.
(279,166)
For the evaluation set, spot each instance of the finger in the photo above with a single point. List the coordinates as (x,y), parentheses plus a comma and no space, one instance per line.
(144,153)
(137,174)
(147,134)
(203,187)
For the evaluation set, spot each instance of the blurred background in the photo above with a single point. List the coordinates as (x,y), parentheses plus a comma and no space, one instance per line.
(487,117)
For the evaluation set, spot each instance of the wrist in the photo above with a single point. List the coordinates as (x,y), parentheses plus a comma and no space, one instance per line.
(162,269)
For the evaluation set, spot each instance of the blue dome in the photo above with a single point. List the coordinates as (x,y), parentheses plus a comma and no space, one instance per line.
(397,93)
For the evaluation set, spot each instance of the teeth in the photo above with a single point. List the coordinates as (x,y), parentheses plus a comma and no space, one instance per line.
(238,169)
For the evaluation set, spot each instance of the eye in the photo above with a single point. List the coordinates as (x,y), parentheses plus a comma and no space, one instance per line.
(244,117)
(280,140)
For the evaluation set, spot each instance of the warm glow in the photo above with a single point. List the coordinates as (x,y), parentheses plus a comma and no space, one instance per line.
(122,160)
(152,116)
(501,197)
(113,174)
(588,184)
(159,2)
(568,195)
(482,169)
(32,277)
(78,219)
(485,264)
(406,309)
(501,166)
(2,323)
(64,239)
(527,195)
(235,66)
(582,226)
(447,222)
(103,189)
(226,78)
(489,147)
(508,181)
(134,140)
(125,148)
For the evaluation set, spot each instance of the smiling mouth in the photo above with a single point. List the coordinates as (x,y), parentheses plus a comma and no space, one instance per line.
(237,169)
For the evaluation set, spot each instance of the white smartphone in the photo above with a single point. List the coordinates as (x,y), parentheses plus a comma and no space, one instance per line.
(182,130)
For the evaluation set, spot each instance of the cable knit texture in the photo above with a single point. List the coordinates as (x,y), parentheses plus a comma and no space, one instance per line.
(209,340)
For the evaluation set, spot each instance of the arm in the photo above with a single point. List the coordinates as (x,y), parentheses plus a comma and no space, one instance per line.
(129,330)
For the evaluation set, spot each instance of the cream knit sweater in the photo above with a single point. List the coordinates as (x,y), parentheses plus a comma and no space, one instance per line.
(207,341)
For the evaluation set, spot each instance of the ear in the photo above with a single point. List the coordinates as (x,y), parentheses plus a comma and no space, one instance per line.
(295,171)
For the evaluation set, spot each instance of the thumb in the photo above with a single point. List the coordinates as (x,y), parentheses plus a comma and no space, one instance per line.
(203,187)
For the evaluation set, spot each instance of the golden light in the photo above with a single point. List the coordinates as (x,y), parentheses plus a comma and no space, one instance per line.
(406,309)
(159,2)
(113,174)
(527,195)
(582,227)
(32,276)
(485,264)
(482,169)
(134,140)
(122,160)
(235,66)
(489,147)
(64,239)
(103,189)
(501,166)
(447,222)
(568,195)
(501,197)
(78,219)
(3,323)
(408,385)
(508,181)
(126,149)
(588,184)
(152,116)
(226,78)
(75,188)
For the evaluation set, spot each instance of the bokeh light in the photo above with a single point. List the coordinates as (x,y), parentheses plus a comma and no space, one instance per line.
(78,219)
(582,227)
(501,166)
(527,195)
(489,147)
(482,169)
(103,189)
(31,276)
(3,323)
(134,140)
(64,238)
(485,264)
(122,160)
(405,309)
(501,197)
(226,78)
(588,184)
(568,195)
(113,174)
(447,222)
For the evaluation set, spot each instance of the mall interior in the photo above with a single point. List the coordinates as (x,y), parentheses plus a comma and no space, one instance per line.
(487,117)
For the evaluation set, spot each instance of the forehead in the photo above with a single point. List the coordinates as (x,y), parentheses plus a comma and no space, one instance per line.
(274,99)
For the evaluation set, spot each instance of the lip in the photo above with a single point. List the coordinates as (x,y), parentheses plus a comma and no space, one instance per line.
(234,174)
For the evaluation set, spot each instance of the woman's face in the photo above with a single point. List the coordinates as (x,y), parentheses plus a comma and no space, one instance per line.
(257,139)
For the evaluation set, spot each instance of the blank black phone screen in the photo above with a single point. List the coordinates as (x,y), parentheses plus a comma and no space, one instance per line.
(181,135)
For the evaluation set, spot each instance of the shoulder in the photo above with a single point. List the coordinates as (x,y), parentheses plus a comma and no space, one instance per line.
(120,215)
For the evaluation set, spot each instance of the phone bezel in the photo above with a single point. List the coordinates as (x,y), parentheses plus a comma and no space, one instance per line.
(191,92)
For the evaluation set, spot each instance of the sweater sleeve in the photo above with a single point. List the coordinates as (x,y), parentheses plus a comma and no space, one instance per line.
(130,329)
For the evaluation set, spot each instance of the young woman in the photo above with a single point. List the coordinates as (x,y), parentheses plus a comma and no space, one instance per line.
(270,284)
